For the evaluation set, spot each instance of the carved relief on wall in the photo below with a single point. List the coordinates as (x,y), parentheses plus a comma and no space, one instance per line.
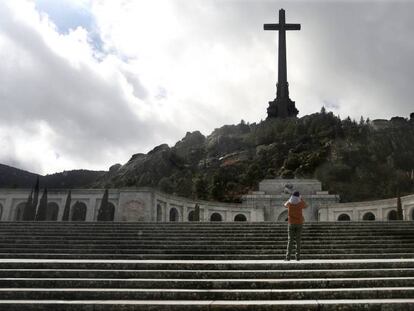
(133,211)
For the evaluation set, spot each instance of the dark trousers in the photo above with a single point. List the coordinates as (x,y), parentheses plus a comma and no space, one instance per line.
(294,236)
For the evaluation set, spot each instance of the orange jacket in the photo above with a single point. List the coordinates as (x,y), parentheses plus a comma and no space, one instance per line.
(295,216)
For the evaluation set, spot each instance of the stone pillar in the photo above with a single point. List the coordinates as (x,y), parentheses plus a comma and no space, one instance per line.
(355,215)
(167,212)
(61,209)
(90,210)
(7,210)
(206,211)
(185,213)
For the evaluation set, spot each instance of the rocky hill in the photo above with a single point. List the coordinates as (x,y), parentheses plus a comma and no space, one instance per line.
(358,160)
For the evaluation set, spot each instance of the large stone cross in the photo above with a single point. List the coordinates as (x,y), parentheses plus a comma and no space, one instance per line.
(282,106)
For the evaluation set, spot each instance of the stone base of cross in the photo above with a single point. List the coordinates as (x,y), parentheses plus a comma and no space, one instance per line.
(282,108)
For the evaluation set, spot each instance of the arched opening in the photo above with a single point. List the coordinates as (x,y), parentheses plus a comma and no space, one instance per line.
(18,214)
(344,217)
(192,216)
(368,216)
(240,217)
(79,211)
(174,216)
(159,213)
(216,217)
(1,211)
(283,216)
(392,215)
(52,211)
(106,212)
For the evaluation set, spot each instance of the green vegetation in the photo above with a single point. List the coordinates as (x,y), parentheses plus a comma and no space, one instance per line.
(358,160)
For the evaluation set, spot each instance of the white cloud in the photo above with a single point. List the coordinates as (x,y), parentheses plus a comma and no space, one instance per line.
(167,67)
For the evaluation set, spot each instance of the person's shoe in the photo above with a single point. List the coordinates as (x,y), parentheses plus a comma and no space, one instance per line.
(297,258)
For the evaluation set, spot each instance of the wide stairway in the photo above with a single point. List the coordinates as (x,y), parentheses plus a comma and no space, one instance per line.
(205,266)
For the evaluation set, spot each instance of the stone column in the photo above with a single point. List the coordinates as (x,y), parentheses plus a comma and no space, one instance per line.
(90,210)
(7,210)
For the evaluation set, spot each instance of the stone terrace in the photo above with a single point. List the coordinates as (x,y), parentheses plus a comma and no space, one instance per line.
(205,266)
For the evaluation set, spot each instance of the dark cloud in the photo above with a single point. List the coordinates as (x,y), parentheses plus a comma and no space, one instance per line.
(90,117)
(213,65)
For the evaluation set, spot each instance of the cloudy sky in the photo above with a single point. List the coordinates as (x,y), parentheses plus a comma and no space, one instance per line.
(88,83)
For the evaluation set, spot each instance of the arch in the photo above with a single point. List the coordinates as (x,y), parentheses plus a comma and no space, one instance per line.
(106,212)
(174,216)
(392,215)
(192,216)
(283,216)
(19,211)
(1,211)
(240,217)
(159,213)
(368,216)
(344,217)
(216,217)
(79,211)
(52,211)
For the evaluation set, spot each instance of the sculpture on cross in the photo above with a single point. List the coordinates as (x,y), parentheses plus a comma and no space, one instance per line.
(282,106)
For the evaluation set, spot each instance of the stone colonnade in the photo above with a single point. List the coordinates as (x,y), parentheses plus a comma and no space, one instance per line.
(379,210)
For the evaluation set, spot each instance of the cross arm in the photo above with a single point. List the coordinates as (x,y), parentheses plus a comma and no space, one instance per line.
(284,27)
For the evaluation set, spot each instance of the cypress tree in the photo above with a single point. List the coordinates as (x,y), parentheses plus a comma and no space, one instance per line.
(42,210)
(66,211)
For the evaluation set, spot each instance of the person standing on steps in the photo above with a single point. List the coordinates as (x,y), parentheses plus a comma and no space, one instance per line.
(295,205)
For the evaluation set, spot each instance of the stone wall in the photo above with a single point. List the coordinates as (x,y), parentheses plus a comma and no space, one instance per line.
(274,210)
(382,210)
(141,204)
(280,186)
(147,204)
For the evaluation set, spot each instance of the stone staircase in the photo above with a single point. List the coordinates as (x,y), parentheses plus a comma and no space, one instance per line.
(205,266)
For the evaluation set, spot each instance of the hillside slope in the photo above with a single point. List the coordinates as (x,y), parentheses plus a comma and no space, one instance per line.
(359,161)
(11,177)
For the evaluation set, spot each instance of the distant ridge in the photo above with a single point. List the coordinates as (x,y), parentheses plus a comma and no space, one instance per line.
(11,177)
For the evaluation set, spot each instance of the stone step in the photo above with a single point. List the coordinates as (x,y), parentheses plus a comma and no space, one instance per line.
(235,266)
(173,239)
(224,240)
(202,256)
(204,225)
(200,229)
(205,274)
(257,265)
(240,242)
(208,250)
(201,225)
(209,305)
(196,230)
(236,224)
(293,283)
(228,246)
(204,294)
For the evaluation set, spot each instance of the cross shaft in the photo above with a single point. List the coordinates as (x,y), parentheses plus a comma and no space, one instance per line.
(284,104)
